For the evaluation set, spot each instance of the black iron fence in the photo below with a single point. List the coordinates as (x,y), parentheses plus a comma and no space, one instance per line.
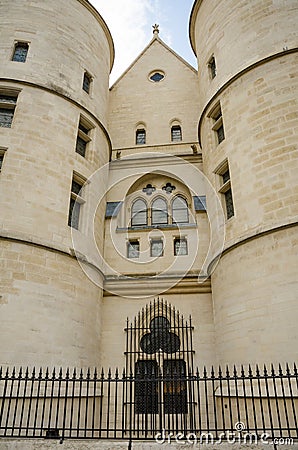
(245,405)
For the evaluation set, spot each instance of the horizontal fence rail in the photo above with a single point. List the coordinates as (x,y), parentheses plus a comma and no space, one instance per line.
(211,406)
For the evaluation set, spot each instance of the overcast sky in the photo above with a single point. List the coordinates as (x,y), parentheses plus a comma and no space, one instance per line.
(130,22)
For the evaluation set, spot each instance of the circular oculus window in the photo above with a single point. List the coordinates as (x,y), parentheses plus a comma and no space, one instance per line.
(156,76)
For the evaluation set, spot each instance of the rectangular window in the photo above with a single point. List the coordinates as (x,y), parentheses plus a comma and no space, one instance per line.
(20,52)
(180,247)
(87,80)
(175,386)
(2,153)
(76,201)
(140,137)
(212,67)
(176,133)
(225,188)
(217,127)
(7,107)
(83,137)
(156,248)
(133,249)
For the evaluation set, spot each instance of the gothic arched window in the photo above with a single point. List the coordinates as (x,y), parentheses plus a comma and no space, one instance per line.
(179,210)
(139,213)
(159,212)
(160,355)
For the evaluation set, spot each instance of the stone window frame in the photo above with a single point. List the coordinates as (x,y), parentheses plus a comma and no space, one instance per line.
(222,172)
(8,104)
(76,200)
(84,135)
(216,116)
(21,44)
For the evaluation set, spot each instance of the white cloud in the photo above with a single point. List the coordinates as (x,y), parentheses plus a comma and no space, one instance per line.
(130,24)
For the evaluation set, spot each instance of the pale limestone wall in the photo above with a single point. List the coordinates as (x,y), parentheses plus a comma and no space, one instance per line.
(255,301)
(175,97)
(127,179)
(197,304)
(65,39)
(50,312)
(239,33)
(58,322)
(254,286)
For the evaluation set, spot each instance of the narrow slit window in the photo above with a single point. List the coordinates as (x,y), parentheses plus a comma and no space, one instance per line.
(20,52)
(226,189)
(2,153)
(87,80)
(212,67)
(218,126)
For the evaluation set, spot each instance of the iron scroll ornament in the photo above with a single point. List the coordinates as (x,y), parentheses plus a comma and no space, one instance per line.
(160,337)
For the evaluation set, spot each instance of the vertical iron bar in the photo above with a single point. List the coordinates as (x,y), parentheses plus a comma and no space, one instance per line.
(268,400)
(250,375)
(44,400)
(4,393)
(16,405)
(245,398)
(87,402)
(10,396)
(222,399)
(94,402)
(58,398)
(116,403)
(214,401)
(291,397)
(65,403)
(51,399)
(74,377)
(30,400)
(260,397)
(284,397)
(79,403)
(229,398)
(37,400)
(24,399)
(276,399)
(101,401)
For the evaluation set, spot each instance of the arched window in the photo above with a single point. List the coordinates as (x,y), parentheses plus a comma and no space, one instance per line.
(180,210)
(176,133)
(139,213)
(159,211)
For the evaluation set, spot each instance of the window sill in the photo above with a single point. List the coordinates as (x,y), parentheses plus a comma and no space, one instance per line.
(156,227)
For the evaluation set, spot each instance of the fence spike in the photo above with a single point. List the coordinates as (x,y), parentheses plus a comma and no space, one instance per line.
(74,375)
(20,373)
(249,370)
(81,374)
(295,369)
(67,373)
(280,370)
(1,372)
(123,373)
(219,372)
(47,373)
(212,372)
(257,370)
(265,371)
(60,373)
(7,372)
(88,373)
(33,373)
(242,371)
(205,372)
(40,373)
(54,373)
(95,374)
(227,371)
(235,371)
(102,373)
(288,369)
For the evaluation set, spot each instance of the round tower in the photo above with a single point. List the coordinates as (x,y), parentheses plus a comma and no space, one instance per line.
(55,60)
(248,133)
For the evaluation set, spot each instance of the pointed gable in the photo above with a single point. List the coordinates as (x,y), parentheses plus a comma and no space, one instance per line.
(170,96)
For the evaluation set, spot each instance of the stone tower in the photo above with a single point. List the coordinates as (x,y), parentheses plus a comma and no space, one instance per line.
(55,63)
(248,112)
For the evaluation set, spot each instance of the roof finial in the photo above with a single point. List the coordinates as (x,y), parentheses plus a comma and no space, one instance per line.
(155,29)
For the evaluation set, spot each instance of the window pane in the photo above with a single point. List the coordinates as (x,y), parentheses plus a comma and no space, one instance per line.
(226,176)
(6,116)
(157,248)
(20,52)
(139,213)
(159,211)
(180,210)
(1,161)
(76,187)
(176,133)
(220,134)
(140,137)
(229,203)
(81,146)
(180,247)
(133,249)
(74,214)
